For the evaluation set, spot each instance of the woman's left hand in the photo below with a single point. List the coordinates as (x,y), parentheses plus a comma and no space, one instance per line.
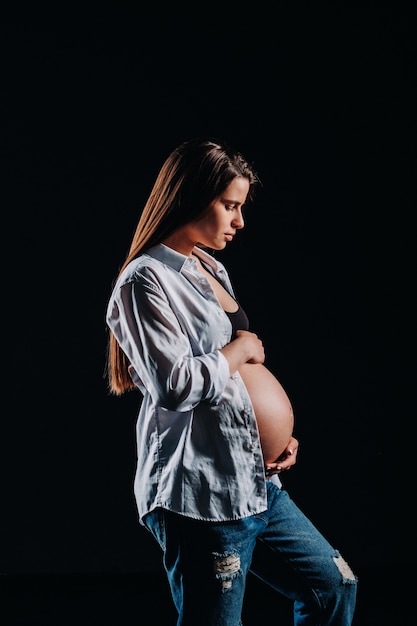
(287,459)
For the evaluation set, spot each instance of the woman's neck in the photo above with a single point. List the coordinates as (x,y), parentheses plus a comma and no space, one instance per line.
(179,243)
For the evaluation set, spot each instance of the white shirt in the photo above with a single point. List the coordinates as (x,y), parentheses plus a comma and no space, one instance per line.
(198,447)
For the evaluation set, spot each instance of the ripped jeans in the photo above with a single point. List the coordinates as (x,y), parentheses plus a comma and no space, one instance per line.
(207,564)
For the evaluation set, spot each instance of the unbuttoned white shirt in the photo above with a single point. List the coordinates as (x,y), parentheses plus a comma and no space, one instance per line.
(198,446)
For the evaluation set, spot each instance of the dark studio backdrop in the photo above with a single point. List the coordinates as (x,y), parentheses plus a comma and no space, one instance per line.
(321,97)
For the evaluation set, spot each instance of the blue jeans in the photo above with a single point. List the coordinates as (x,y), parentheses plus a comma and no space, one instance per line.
(207,564)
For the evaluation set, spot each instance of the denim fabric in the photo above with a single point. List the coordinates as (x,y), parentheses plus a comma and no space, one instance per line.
(207,564)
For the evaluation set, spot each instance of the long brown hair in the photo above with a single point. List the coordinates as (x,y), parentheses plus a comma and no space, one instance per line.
(193,175)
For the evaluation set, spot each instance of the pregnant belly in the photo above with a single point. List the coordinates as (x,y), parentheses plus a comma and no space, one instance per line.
(272,407)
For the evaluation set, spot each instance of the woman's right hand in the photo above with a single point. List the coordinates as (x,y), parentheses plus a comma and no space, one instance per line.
(255,346)
(246,347)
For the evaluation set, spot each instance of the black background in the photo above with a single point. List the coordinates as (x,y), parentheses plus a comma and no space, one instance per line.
(321,97)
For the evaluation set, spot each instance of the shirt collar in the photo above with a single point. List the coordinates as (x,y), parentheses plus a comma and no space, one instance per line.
(176,260)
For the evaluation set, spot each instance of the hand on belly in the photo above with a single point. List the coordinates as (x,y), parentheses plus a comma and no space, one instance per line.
(273,410)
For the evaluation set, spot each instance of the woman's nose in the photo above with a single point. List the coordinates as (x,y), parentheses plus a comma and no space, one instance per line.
(238,221)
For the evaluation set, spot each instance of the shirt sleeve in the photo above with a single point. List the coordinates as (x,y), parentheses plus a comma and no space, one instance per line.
(159,349)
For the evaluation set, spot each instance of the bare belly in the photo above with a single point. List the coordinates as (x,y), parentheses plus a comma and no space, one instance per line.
(272,407)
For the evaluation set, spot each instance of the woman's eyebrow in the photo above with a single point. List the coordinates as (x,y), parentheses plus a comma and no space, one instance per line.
(231,201)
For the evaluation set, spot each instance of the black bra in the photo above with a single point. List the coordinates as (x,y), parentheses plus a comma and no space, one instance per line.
(238,319)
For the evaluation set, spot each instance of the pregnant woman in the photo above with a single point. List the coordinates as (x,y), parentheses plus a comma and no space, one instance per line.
(214,427)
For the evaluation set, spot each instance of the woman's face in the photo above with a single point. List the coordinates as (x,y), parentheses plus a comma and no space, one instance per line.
(223,218)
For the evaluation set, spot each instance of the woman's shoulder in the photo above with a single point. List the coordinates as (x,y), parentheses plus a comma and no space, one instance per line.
(157,264)
(142,268)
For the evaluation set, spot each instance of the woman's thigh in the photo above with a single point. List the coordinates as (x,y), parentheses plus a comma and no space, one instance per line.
(207,564)
(292,556)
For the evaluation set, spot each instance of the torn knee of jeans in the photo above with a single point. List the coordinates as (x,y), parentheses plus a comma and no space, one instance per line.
(226,567)
(347,574)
